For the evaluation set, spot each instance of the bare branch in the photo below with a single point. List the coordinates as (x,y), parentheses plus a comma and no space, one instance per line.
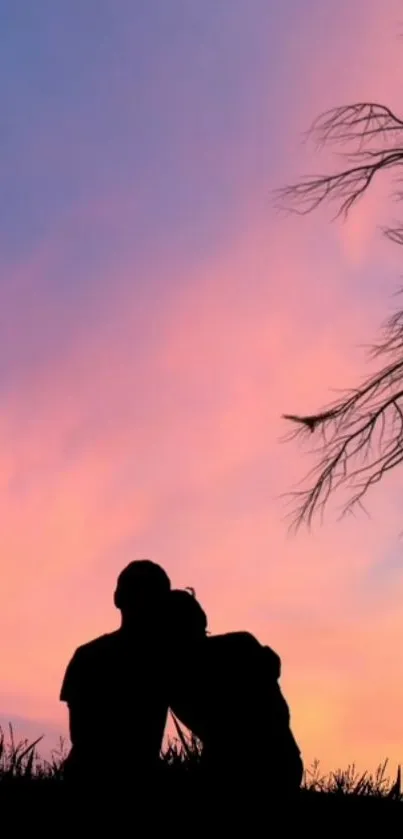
(375,135)
(364,434)
(359,123)
(361,434)
(345,188)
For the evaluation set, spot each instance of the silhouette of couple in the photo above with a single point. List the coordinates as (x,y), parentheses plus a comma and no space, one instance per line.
(224,688)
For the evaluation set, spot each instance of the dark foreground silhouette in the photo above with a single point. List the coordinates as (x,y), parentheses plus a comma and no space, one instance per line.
(117,684)
(183,801)
(241,769)
(227,693)
(225,689)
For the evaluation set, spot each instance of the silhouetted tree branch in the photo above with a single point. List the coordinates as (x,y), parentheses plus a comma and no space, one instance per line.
(361,434)
(375,137)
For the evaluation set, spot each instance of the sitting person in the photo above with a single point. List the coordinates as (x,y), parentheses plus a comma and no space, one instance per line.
(115,685)
(225,690)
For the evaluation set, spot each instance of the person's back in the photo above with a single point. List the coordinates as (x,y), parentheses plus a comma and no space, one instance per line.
(227,693)
(116,688)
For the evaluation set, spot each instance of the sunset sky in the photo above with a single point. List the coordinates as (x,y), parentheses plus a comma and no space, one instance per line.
(158,316)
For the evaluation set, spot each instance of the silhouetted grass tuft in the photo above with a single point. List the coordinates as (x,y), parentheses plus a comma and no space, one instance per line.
(351,782)
(20,761)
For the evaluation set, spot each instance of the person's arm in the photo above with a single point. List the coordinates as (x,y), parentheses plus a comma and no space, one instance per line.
(81,724)
(74,694)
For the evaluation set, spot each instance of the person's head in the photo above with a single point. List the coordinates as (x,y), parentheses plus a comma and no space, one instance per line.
(142,592)
(187,619)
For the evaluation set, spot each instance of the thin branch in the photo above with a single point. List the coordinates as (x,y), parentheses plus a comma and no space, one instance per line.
(345,188)
(360,434)
(364,435)
(358,123)
(375,135)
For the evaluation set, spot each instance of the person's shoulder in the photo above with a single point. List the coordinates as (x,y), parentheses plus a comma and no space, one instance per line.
(98,645)
(239,645)
(241,638)
(85,662)
(245,644)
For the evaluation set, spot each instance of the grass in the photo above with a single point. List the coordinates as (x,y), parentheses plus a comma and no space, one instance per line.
(343,793)
(20,760)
